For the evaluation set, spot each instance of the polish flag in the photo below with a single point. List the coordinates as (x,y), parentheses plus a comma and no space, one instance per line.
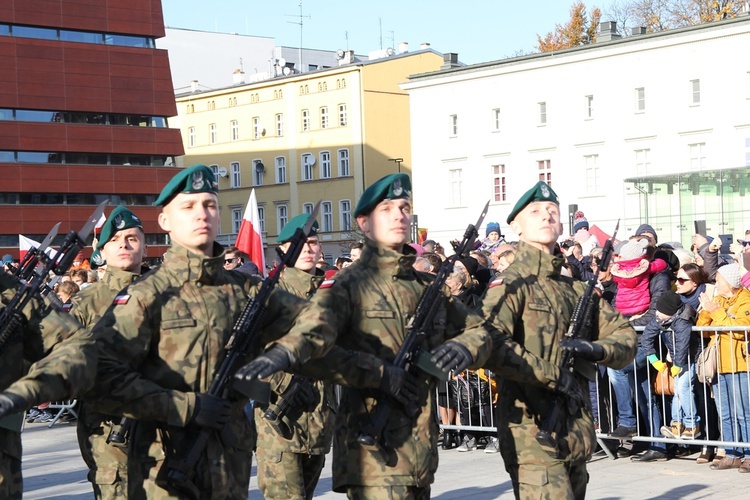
(100,222)
(249,240)
(25,244)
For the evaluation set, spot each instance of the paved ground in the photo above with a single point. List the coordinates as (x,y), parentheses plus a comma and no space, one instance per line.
(53,469)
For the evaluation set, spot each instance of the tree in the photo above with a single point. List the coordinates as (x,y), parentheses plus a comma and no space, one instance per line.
(577,31)
(659,15)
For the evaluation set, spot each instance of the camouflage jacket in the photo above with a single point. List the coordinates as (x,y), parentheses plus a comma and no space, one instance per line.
(162,341)
(368,305)
(89,304)
(530,306)
(313,430)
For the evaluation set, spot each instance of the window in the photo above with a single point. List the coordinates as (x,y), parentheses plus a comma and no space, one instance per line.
(211,105)
(697,156)
(191,108)
(343,163)
(542,116)
(305,120)
(588,107)
(324,117)
(499,183)
(326,217)
(591,171)
(307,208)
(453,125)
(258,170)
(325,164)
(212,133)
(262,218)
(215,169)
(695,92)
(545,171)
(342,115)
(191,137)
(345,211)
(454,179)
(232,101)
(282,217)
(256,127)
(642,161)
(280,125)
(280,170)
(236,219)
(640,100)
(234,168)
(235,130)
(307,167)
(496,119)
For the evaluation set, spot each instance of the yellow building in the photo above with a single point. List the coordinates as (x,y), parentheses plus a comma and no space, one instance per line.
(323,135)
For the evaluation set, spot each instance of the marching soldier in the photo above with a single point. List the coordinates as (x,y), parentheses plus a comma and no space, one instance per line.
(368,306)
(289,466)
(530,305)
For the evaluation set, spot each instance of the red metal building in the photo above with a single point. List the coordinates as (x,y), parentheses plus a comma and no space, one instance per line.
(84,97)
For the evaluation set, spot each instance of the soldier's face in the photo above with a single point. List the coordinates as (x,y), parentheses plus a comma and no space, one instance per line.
(125,250)
(388,223)
(538,224)
(309,256)
(192,220)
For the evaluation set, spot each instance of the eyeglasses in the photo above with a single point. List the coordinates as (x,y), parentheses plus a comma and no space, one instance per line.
(745,243)
(227,261)
(682,281)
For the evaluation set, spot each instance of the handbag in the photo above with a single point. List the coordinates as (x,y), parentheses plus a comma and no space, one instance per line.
(706,366)
(662,384)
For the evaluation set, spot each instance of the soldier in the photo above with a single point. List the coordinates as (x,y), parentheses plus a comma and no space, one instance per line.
(368,305)
(163,338)
(531,304)
(289,466)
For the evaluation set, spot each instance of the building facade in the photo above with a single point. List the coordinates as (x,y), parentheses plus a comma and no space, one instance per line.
(319,136)
(650,128)
(84,101)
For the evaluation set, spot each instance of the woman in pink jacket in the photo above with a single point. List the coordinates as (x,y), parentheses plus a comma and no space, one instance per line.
(632,273)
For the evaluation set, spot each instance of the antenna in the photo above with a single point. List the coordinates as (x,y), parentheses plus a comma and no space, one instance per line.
(299,23)
(242,68)
(346,35)
(380,25)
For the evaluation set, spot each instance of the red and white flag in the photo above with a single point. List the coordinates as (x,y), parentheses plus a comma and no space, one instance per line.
(25,244)
(249,240)
(100,222)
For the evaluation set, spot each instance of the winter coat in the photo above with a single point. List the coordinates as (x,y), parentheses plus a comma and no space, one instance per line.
(632,278)
(734,311)
(676,334)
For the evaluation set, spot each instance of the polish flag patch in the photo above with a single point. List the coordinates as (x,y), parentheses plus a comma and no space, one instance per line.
(327,284)
(66,307)
(121,299)
(497,282)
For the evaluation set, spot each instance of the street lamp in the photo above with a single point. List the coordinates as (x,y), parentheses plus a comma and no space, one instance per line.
(398,162)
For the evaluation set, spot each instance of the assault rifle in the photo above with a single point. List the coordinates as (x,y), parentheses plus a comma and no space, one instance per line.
(276,415)
(411,355)
(244,341)
(34,272)
(581,324)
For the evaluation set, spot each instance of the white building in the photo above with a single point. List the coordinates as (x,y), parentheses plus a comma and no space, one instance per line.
(651,128)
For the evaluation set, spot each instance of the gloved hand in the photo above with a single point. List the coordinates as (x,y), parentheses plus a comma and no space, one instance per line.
(276,359)
(568,386)
(583,349)
(210,411)
(657,363)
(675,370)
(402,386)
(452,356)
(10,403)
(299,395)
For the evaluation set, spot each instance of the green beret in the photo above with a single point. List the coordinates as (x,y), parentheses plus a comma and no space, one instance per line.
(97,259)
(195,179)
(120,218)
(390,187)
(296,222)
(540,192)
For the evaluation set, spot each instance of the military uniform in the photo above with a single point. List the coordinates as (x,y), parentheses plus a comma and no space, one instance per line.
(290,468)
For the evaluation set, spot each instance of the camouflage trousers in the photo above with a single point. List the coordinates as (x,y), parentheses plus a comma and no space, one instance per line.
(108,464)
(388,493)
(283,475)
(11,481)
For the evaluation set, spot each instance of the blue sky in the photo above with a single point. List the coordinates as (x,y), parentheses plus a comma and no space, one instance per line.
(479,31)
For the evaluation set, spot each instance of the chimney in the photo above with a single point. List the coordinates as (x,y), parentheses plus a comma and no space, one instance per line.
(450,60)
(607,32)
(424,46)
(640,30)
(238,78)
(194,86)
(403,47)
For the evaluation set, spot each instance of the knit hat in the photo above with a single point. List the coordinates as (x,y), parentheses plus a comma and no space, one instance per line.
(669,303)
(7,259)
(471,265)
(579,222)
(633,249)
(731,273)
(645,228)
(493,227)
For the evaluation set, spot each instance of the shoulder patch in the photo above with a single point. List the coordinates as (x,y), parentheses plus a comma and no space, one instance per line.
(121,299)
(326,284)
(496,282)
(66,307)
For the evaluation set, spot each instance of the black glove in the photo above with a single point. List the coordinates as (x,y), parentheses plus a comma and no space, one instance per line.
(10,403)
(402,386)
(452,357)
(210,411)
(568,386)
(299,395)
(274,360)
(590,351)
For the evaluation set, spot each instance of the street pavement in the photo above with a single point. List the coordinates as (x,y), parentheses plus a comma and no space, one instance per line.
(53,469)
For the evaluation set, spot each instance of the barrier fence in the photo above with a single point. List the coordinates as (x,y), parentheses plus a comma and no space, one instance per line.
(720,410)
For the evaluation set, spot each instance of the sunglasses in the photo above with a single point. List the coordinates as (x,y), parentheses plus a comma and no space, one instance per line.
(744,243)
(227,261)
(682,281)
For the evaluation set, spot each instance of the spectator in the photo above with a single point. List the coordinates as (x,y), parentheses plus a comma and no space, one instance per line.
(731,307)
(423,265)
(706,254)
(79,276)
(8,263)
(493,237)
(342,262)
(355,250)
(80,262)
(67,290)
(232,258)
(92,276)
(429,246)
(690,284)
(632,273)
(435,261)
(646,230)
(581,234)
(505,259)
(497,252)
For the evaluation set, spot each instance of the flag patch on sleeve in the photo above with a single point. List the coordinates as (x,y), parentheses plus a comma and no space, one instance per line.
(121,299)
(66,307)
(327,284)
(497,282)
